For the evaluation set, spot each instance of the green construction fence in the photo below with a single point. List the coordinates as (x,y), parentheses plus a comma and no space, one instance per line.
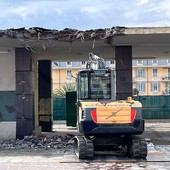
(153,107)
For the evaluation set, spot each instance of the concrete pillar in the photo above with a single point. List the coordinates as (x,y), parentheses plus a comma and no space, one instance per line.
(24,92)
(45,99)
(123,55)
(37,128)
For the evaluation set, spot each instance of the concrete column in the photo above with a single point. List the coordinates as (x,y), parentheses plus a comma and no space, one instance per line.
(24,92)
(45,99)
(123,55)
(37,128)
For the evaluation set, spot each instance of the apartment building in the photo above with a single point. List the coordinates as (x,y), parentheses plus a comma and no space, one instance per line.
(66,72)
(150,77)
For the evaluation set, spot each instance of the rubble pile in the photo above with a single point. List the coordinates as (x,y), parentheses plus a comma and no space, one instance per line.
(68,34)
(47,142)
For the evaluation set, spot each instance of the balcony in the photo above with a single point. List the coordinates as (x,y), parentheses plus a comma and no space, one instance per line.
(138,79)
(166,78)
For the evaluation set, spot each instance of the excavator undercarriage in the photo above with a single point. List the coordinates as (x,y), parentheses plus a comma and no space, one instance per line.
(132,146)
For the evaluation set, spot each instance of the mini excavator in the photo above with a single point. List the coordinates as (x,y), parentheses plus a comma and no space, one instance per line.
(103,122)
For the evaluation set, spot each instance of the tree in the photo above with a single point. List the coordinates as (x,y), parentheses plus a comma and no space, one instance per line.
(61,92)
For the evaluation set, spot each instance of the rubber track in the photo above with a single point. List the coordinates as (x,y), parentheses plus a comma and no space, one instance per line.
(89,148)
(138,147)
(81,148)
(143,148)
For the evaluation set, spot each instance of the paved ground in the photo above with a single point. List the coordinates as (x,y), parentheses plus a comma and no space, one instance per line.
(156,133)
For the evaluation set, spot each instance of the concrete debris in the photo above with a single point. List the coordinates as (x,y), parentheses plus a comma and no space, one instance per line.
(55,142)
(37,33)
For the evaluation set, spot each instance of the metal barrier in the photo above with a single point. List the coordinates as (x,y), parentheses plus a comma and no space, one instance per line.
(155,107)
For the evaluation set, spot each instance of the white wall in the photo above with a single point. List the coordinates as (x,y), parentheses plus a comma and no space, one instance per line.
(7,83)
(7,72)
(7,130)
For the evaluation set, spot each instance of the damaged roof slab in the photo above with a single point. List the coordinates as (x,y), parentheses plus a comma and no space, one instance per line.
(70,44)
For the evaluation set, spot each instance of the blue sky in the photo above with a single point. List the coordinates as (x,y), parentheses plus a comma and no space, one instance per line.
(83,14)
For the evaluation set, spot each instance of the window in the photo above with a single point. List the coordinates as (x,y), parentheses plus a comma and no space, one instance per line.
(68,63)
(167,90)
(155,87)
(69,74)
(83,63)
(139,62)
(168,73)
(112,62)
(140,73)
(94,85)
(140,87)
(168,61)
(154,73)
(56,63)
(154,62)
(83,86)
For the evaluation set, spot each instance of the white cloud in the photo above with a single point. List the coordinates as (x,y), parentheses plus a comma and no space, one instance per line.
(130,14)
(164,8)
(159,23)
(86,14)
(21,11)
(90,9)
(142,2)
(159,8)
(34,7)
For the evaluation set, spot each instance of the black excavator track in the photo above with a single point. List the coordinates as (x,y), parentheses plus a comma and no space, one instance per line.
(89,148)
(136,147)
(83,147)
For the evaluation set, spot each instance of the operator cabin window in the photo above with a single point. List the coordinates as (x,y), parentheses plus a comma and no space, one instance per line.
(83,86)
(140,73)
(94,85)
(100,86)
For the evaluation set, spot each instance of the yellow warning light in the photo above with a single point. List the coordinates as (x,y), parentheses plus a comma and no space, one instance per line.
(129,98)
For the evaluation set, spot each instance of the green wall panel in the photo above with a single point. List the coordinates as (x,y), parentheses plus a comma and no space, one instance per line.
(7,106)
(59,108)
(71,108)
(155,107)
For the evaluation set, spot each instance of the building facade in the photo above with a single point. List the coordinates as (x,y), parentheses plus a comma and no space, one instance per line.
(150,77)
(66,72)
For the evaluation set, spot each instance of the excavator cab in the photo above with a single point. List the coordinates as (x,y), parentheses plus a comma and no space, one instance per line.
(102,121)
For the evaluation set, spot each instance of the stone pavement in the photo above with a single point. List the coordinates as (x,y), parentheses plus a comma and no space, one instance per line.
(43,161)
(156,133)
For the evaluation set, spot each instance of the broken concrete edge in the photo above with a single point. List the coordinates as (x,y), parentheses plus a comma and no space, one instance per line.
(147,30)
(37,33)
(67,34)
